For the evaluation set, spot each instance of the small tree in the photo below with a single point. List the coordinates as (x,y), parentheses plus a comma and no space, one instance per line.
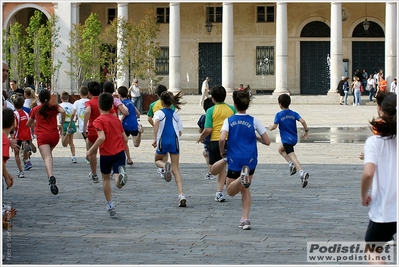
(42,40)
(14,49)
(73,58)
(84,52)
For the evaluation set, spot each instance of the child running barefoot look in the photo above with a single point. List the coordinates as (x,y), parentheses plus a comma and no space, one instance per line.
(286,120)
(167,131)
(111,141)
(241,152)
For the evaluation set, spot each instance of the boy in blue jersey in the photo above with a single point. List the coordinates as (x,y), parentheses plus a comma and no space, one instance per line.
(286,120)
(241,154)
(129,122)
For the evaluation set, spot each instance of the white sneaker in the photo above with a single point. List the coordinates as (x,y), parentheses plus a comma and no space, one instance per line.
(111,209)
(74,160)
(182,200)
(210,176)
(219,197)
(160,172)
(21,175)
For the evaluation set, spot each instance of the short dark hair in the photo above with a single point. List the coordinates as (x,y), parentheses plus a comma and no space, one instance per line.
(218,93)
(8,117)
(208,103)
(284,100)
(83,91)
(160,89)
(123,91)
(109,87)
(106,101)
(241,99)
(18,102)
(65,95)
(94,88)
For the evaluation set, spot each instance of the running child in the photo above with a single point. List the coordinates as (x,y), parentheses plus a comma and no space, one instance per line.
(47,132)
(214,119)
(111,141)
(23,135)
(168,128)
(241,154)
(78,109)
(380,175)
(91,113)
(201,122)
(154,107)
(109,87)
(69,126)
(286,121)
(130,122)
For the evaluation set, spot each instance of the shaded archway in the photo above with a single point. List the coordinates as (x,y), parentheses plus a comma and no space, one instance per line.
(368,55)
(314,55)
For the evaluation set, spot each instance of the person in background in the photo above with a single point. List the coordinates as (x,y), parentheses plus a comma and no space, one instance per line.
(135,93)
(394,85)
(204,90)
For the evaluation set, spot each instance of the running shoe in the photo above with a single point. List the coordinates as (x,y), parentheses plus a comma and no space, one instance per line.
(210,176)
(167,175)
(219,197)
(87,160)
(245,225)
(111,209)
(304,179)
(33,147)
(74,160)
(28,166)
(182,200)
(292,168)
(160,171)
(53,187)
(245,181)
(122,178)
(94,177)
(21,175)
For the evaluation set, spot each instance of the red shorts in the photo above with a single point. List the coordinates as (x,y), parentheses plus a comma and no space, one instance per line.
(92,137)
(48,139)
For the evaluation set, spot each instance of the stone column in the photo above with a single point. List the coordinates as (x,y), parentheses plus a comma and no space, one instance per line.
(123,75)
(336,65)
(391,32)
(61,80)
(228,47)
(174,48)
(281,50)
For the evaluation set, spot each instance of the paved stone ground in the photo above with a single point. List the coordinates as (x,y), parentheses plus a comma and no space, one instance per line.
(74,227)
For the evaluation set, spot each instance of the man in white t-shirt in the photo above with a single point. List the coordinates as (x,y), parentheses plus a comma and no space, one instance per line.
(204,90)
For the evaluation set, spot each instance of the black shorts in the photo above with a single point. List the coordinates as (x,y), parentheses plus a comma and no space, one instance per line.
(380,232)
(133,133)
(108,163)
(288,148)
(214,152)
(234,175)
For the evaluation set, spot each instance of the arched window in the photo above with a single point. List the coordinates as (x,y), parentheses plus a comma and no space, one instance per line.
(375,30)
(316,29)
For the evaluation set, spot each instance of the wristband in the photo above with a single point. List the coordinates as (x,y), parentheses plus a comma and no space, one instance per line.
(306,130)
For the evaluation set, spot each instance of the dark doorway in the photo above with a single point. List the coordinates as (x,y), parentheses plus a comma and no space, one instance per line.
(210,64)
(315,69)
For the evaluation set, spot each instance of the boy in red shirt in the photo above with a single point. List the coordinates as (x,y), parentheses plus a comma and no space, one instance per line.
(22,134)
(92,113)
(111,141)
(8,180)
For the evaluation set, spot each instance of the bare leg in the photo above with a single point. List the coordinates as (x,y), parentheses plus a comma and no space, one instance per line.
(127,152)
(294,160)
(107,186)
(159,160)
(71,145)
(137,140)
(218,167)
(45,152)
(282,152)
(176,172)
(93,160)
(18,160)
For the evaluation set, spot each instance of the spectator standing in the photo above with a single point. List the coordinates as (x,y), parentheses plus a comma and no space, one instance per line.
(14,89)
(394,85)
(204,90)
(370,87)
(135,92)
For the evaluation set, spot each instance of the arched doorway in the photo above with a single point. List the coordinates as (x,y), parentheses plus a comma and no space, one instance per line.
(369,55)
(315,69)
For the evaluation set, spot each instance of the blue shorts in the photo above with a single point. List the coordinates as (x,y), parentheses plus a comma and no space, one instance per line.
(108,163)
(168,147)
